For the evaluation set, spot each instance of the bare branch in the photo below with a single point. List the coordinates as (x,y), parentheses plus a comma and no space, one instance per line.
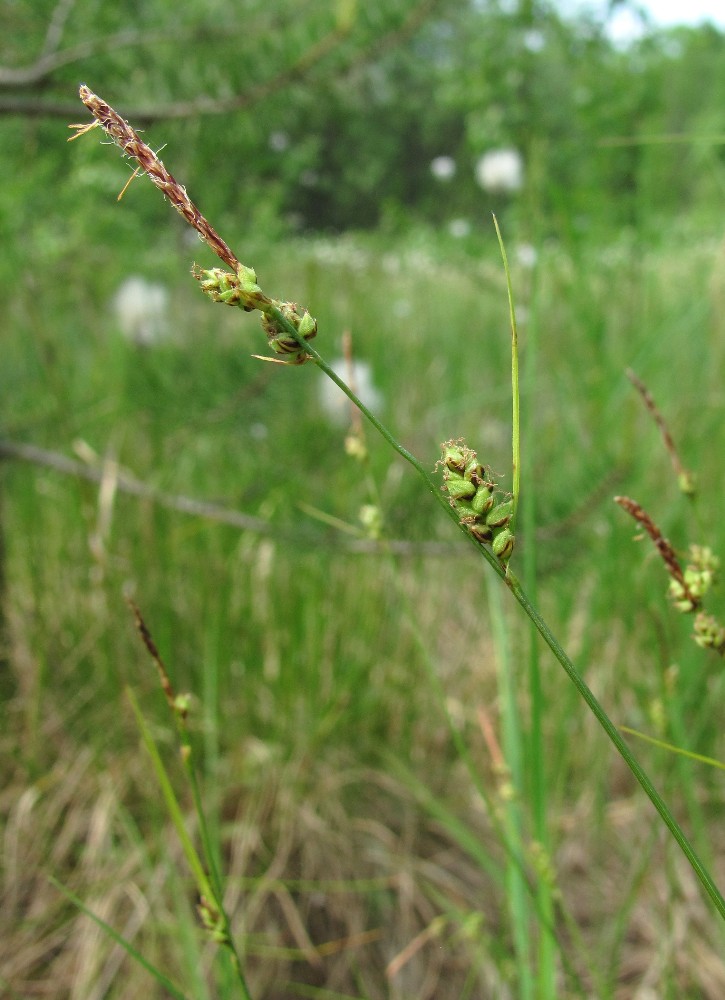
(206,104)
(57,24)
(126,483)
(51,60)
(135,487)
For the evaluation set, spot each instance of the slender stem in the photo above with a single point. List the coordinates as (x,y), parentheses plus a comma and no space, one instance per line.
(544,631)
(512,808)
(430,482)
(515,394)
(128,140)
(614,735)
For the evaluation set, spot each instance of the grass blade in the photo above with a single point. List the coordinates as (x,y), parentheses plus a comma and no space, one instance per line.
(173,990)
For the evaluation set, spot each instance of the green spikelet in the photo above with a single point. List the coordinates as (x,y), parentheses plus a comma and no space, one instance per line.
(482,508)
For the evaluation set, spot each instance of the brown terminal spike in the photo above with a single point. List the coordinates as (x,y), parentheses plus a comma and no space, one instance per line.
(176,704)
(664,547)
(132,145)
(685,478)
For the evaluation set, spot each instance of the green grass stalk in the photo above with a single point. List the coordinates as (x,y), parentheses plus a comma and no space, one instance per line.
(542,628)
(513,751)
(136,955)
(247,294)
(536,755)
(209,886)
(515,392)
(671,748)
(612,732)
(520,880)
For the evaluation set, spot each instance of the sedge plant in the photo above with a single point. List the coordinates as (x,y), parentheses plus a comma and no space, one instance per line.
(203,863)
(461,483)
(688,587)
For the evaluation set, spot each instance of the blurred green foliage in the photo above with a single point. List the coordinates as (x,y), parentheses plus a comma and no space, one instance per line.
(312,117)
(346,108)
(290,116)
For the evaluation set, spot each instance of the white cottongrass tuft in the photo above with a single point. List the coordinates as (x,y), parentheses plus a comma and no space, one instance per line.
(459,228)
(278,141)
(141,311)
(526,255)
(443,168)
(500,171)
(534,40)
(335,403)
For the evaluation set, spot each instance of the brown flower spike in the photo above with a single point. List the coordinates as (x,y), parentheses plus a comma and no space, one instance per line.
(685,478)
(132,145)
(664,547)
(286,324)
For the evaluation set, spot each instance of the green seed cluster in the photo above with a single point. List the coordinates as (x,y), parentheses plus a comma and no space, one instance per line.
(687,594)
(279,339)
(484,510)
(241,290)
(709,633)
(699,576)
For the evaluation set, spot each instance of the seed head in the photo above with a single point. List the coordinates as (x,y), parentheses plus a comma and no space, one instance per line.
(482,509)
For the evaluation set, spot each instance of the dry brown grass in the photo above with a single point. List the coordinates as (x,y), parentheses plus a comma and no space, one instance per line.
(336,876)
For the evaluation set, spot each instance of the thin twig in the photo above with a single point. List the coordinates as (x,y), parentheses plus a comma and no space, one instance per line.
(135,487)
(56,25)
(205,104)
(51,60)
(125,483)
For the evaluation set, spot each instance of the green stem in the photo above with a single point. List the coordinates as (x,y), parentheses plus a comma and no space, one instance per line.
(515,393)
(614,735)
(209,886)
(430,482)
(543,629)
(210,858)
(513,818)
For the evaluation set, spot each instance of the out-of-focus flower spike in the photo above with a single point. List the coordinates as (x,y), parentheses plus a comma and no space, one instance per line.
(482,509)
(709,633)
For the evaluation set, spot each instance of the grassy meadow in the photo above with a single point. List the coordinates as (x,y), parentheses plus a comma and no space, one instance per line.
(360,858)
